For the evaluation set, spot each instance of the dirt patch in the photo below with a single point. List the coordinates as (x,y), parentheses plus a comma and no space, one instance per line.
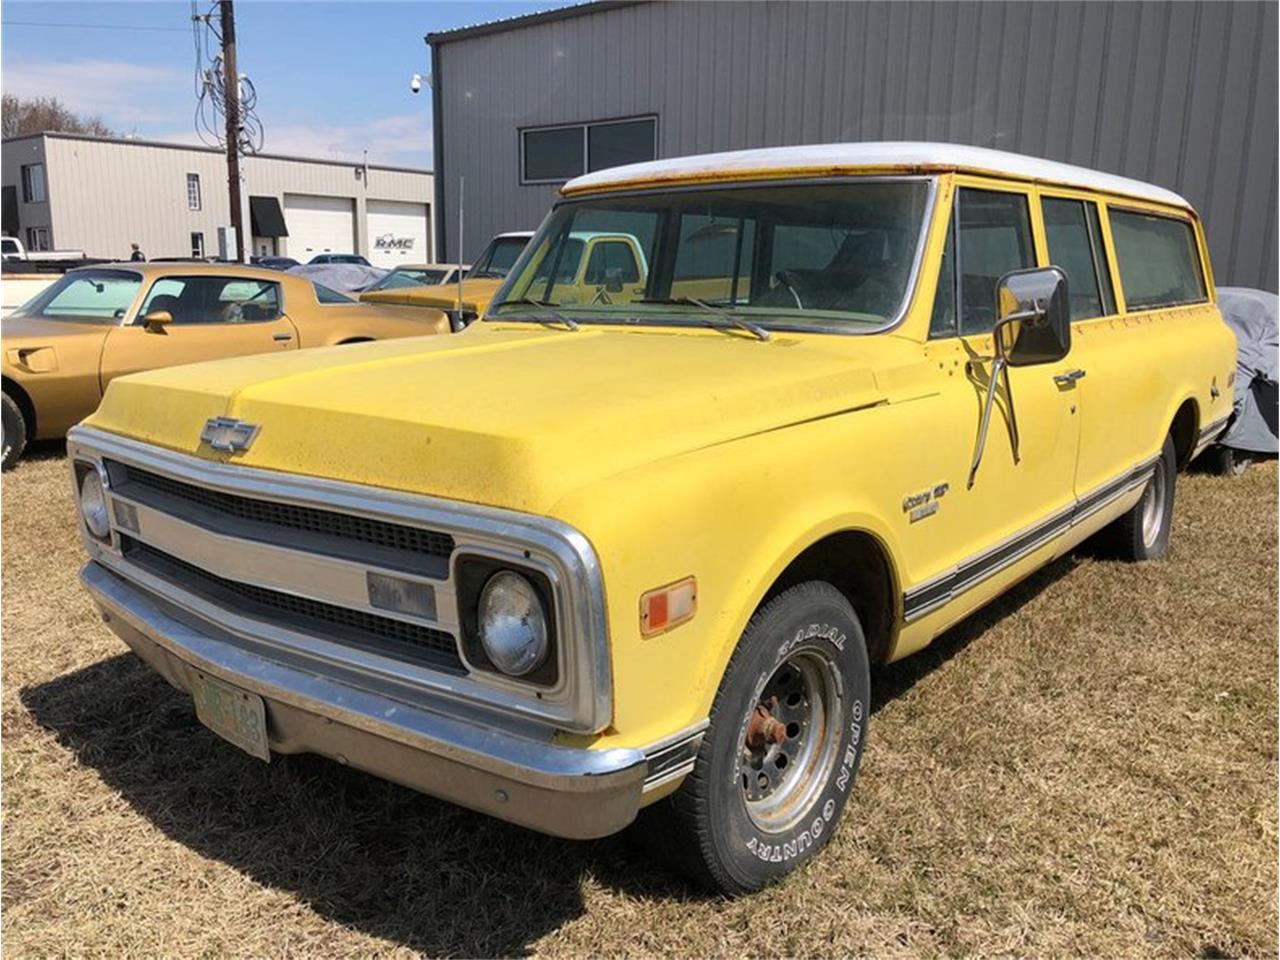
(1087,767)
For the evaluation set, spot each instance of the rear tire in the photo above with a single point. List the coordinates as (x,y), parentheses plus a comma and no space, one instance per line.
(15,431)
(779,760)
(1226,462)
(1143,532)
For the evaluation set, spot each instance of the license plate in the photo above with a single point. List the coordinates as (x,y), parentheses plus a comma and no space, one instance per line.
(236,715)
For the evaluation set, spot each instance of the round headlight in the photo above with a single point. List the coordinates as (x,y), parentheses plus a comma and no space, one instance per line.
(513,625)
(93,505)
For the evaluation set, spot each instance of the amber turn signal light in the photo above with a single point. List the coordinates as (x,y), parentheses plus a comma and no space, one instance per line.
(669,606)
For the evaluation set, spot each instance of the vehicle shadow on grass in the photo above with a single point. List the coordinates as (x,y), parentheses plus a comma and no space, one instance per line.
(365,853)
(368,854)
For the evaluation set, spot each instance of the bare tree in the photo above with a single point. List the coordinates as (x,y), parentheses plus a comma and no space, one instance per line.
(19,116)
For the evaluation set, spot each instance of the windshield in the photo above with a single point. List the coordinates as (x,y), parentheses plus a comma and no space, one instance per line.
(499,257)
(830,256)
(402,277)
(94,296)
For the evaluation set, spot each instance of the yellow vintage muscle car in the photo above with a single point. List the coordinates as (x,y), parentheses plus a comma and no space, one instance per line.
(648,552)
(62,347)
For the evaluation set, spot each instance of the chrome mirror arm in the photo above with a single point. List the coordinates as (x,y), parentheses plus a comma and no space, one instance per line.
(999,371)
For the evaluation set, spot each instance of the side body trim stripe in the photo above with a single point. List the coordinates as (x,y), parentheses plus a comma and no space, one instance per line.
(945,587)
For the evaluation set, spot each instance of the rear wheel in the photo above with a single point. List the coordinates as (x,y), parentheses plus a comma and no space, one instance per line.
(1226,462)
(1143,532)
(15,431)
(778,762)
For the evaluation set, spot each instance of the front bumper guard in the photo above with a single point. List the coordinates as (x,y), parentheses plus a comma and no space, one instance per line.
(563,791)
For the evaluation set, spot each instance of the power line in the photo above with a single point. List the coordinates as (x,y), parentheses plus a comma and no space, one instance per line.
(88,26)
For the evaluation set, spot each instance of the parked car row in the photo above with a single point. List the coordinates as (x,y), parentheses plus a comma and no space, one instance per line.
(734,429)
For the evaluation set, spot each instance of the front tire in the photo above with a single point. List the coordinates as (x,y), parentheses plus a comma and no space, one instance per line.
(1143,532)
(15,431)
(779,760)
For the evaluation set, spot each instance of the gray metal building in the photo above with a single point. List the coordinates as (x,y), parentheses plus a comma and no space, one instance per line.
(99,194)
(1180,94)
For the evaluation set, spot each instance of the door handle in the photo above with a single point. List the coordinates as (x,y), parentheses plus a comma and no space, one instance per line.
(283,336)
(1068,378)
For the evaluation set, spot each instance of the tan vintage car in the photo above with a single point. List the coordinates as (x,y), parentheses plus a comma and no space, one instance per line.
(62,347)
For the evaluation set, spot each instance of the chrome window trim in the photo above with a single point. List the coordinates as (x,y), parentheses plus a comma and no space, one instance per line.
(911,291)
(582,699)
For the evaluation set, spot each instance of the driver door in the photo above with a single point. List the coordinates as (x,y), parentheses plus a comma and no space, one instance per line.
(212,317)
(1018,505)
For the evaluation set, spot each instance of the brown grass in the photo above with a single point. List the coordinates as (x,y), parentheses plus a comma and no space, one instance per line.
(1087,768)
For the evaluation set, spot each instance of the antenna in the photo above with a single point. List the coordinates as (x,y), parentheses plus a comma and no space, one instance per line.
(462,186)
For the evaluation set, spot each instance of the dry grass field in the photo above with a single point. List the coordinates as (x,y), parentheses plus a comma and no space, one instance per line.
(1087,768)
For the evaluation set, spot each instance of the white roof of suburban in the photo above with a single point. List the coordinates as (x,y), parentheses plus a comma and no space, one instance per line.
(841,157)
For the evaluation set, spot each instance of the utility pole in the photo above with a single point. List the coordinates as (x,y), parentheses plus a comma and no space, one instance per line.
(231,86)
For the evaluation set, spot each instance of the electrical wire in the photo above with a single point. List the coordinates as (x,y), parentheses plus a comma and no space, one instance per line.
(211,92)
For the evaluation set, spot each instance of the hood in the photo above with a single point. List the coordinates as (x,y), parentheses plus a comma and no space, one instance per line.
(508,415)
(476,294)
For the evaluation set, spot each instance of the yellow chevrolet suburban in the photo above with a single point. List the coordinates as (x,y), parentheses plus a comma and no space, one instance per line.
(588,558)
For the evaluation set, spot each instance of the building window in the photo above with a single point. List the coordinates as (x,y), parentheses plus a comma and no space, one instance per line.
(193,191)
(33,183)
(556,154)
(37,238)
(197,246)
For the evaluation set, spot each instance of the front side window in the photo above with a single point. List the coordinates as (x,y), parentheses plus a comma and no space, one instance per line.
(1158,259)
(33,188)
(1075,245)
(828,256)
(993,237)
(193,191)
(203,300)
(101,296)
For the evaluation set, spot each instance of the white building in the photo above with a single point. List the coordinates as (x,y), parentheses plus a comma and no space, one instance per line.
(73,192)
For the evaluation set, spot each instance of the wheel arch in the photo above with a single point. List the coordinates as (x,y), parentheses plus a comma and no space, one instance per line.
(1185,430)
(23,400)
(860,565)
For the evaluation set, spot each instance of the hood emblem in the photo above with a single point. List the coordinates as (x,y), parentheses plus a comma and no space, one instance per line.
(228,434)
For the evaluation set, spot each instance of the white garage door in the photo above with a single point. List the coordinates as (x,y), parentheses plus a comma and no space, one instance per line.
(397,232)
(319,225)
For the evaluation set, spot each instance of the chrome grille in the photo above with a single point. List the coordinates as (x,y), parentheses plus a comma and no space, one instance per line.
(384,635)
(341,533)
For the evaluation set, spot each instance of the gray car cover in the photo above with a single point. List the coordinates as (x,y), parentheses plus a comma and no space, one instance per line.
(1252,314)
(343,277)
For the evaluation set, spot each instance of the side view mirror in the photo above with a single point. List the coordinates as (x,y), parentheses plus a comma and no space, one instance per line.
(1033,313)
(1033,326)
(157,320)
(613,279)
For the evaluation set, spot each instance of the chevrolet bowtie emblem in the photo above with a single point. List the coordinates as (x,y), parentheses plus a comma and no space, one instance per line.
(228,434)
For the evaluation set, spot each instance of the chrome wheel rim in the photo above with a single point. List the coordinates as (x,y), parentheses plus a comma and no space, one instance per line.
(789,740)
(1153,506)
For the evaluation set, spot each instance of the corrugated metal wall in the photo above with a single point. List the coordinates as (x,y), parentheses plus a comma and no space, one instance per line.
(1179,94)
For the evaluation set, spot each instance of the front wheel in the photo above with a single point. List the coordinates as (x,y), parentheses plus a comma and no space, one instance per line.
(15,431)
(778,762)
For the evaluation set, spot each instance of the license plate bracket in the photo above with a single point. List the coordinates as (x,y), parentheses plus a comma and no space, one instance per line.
(236,715)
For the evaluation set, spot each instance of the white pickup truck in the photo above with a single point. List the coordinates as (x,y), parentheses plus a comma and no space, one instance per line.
(27,272)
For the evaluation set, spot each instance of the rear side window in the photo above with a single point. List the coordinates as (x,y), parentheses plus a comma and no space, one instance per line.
(1158,260)
(328,295)
(1075,245)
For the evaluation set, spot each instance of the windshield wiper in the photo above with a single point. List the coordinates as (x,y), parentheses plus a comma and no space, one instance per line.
(759,332)
(545,304)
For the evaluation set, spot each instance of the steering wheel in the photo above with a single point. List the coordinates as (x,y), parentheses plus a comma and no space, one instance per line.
(791,282)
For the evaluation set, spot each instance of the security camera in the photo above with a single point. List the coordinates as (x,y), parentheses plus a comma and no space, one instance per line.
(415,82)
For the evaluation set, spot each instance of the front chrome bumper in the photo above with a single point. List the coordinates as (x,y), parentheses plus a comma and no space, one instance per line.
(516,776)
